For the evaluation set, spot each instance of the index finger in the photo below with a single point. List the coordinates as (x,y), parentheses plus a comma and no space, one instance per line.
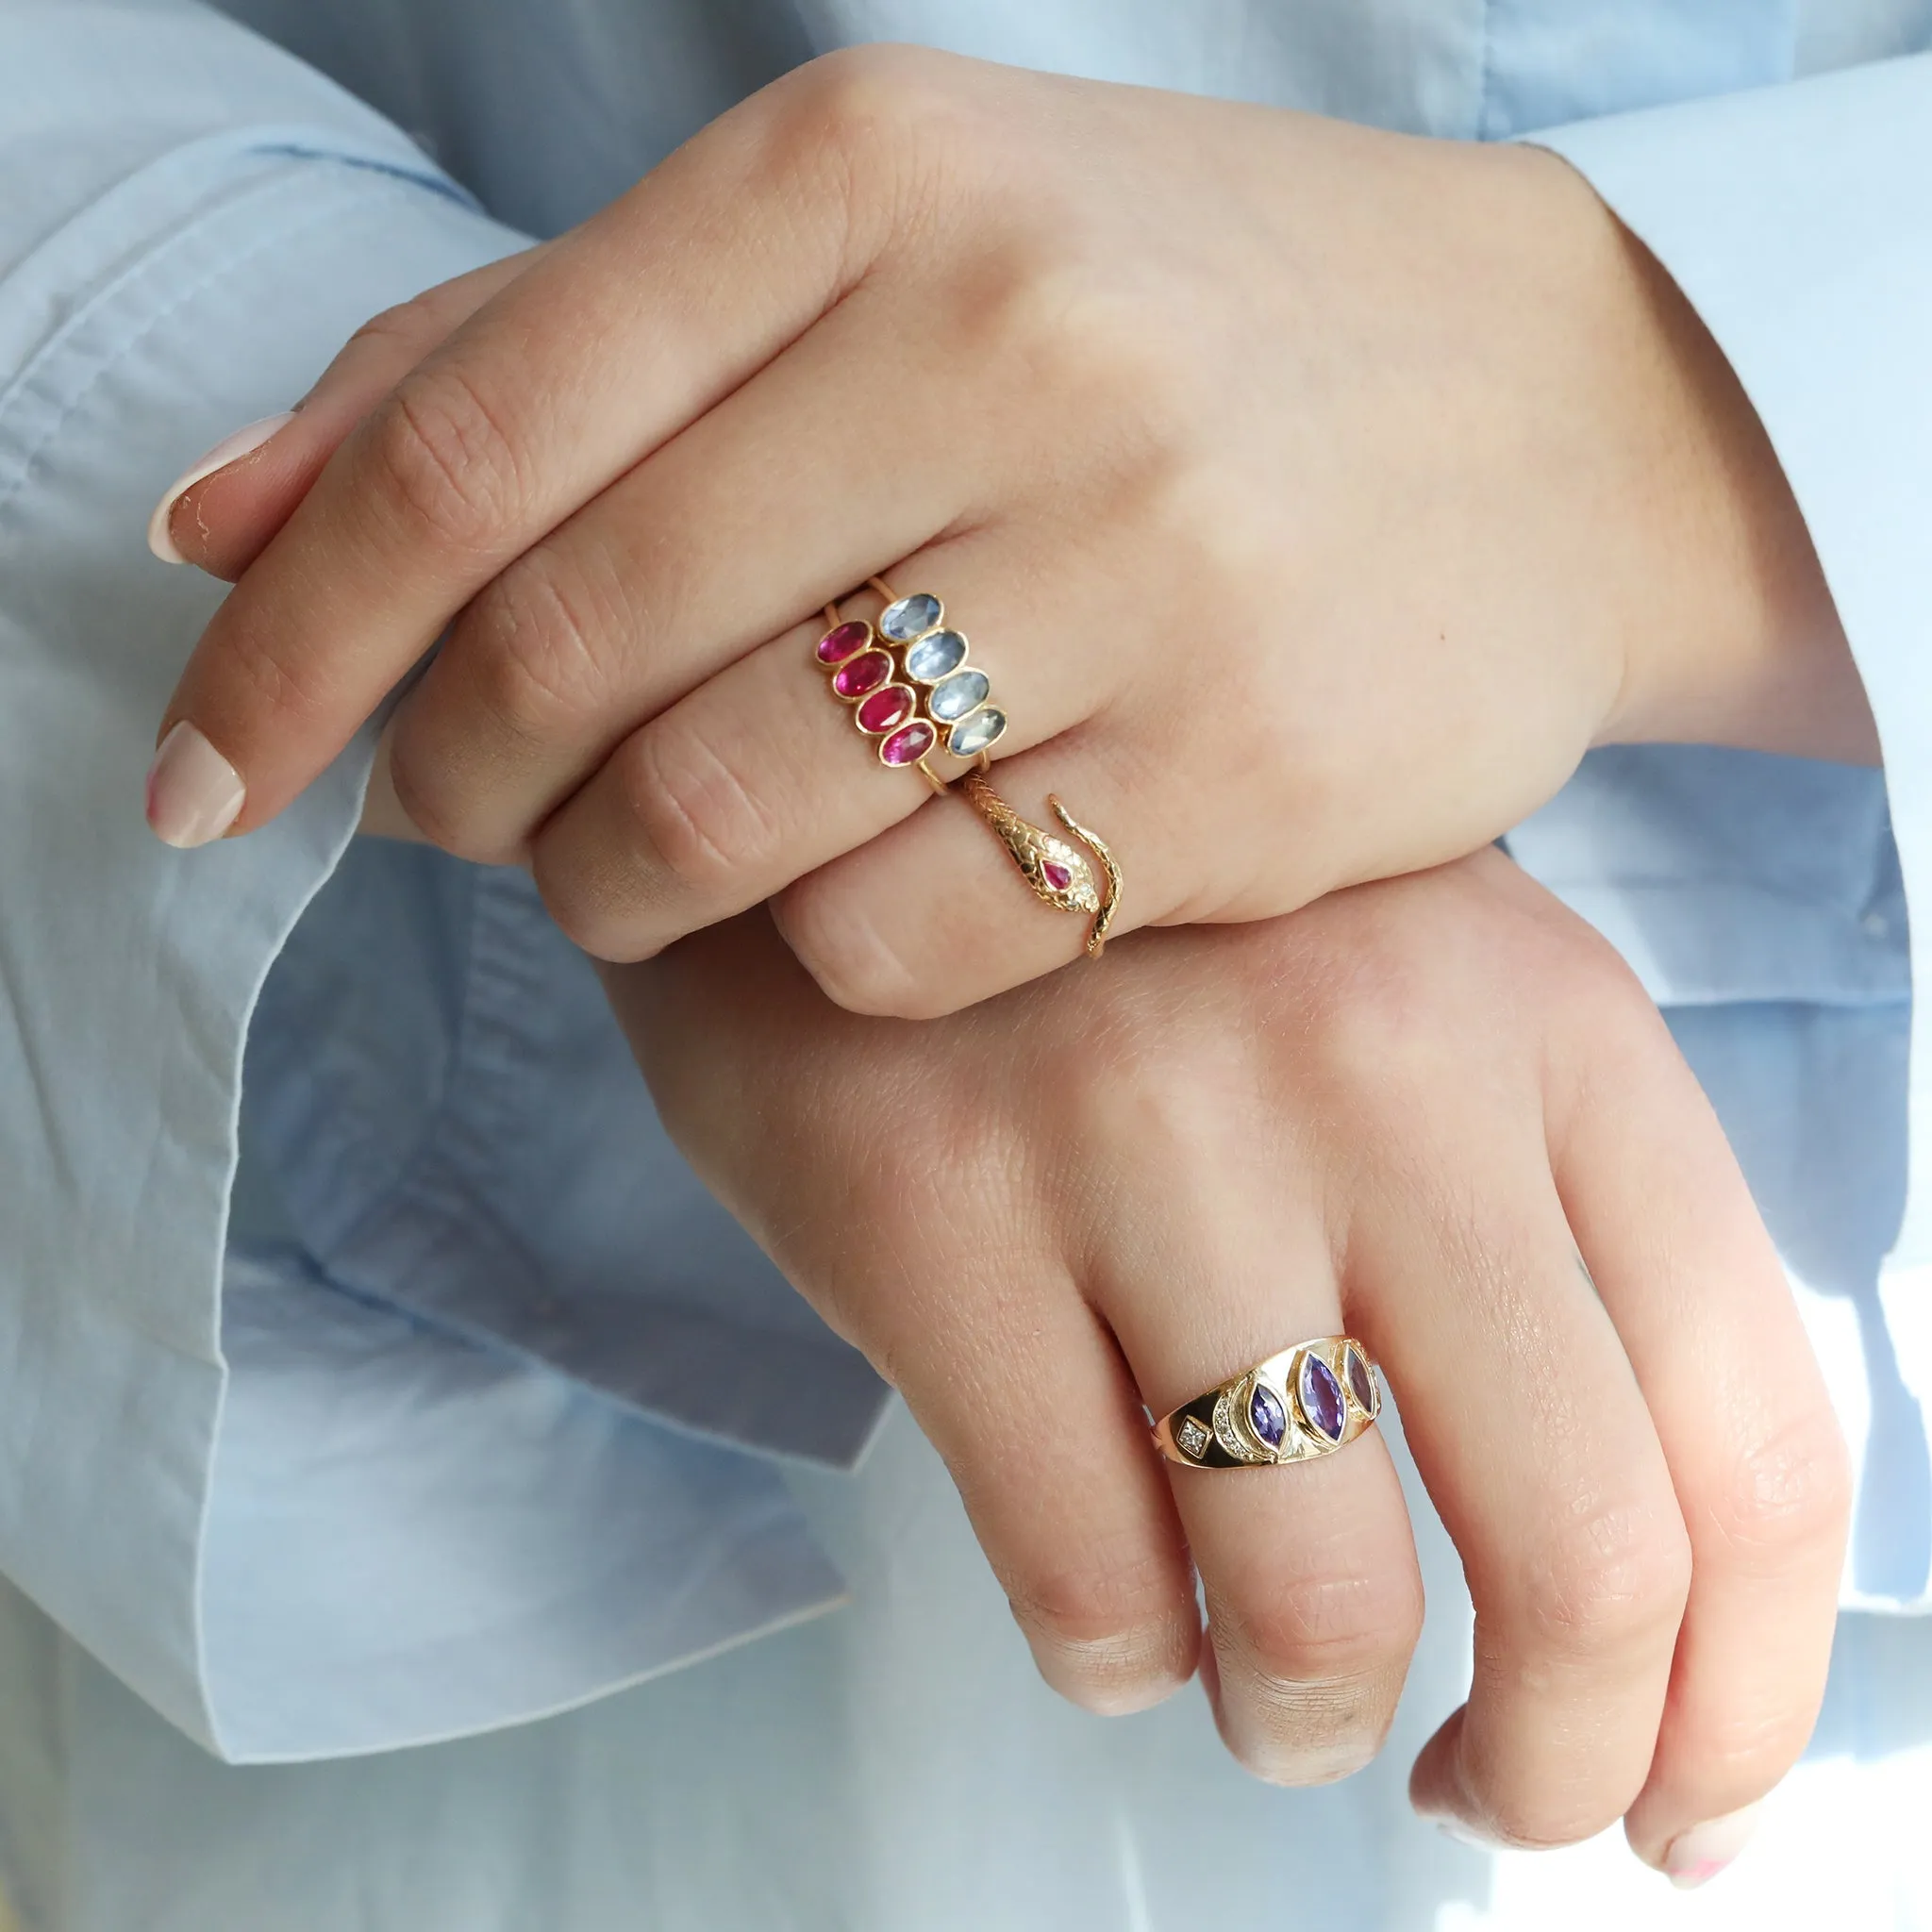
(631,327)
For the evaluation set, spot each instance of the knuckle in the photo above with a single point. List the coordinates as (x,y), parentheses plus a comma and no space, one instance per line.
(1172,1080)
(700,815)
(1109,1635)
(1086,1603)
(1541,1818)
(867,96)
(1086,336)
(1742,1753)
(1311,1673)
(1616,1576)
(1788,1496)
(270,681)
(828,922)
(406,325)
(534,643)
(447,460)
(865,135)
(1380,1032)
(429,802)
(1336,1629)
(691,830)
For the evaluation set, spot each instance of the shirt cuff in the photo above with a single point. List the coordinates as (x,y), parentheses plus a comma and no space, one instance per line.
(1797,221)
(297,1520)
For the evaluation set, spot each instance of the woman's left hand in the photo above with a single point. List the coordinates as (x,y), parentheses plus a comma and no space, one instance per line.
(1313,497)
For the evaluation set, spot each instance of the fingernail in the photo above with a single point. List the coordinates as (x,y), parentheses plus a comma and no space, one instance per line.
(194,792)
(1465,1835)
(1697,1856)
(231,449)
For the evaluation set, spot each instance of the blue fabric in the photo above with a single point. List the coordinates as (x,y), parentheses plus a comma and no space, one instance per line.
(474,1325)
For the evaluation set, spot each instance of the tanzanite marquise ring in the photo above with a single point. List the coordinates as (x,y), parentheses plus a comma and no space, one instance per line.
(912,692)
(1307,1400)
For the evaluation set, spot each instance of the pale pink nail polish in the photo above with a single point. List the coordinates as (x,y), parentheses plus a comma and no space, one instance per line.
(194,792)
(1697,1856)
(231,449)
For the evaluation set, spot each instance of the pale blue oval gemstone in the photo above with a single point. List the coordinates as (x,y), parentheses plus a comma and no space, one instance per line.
(965,691)
(911,617)
(931,657)
(973,735)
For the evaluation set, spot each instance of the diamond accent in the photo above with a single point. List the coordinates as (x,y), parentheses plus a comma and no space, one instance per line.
(1193,1436)
(1230,1434)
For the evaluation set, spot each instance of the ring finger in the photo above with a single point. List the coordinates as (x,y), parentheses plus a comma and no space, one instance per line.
(761,775)
(1313,1592)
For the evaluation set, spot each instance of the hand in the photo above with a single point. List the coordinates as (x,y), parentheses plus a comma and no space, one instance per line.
(1397,1114)
(1313,496)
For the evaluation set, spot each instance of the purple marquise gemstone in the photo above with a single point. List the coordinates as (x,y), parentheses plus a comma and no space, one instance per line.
(1321,1397)
(1267,1417)
(1361,1380)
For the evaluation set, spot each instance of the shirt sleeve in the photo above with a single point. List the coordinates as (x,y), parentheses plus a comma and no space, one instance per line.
(1767,901)
(311,1424)
(1797,220)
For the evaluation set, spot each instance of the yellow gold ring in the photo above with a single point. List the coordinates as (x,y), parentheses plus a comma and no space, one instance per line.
(1308,1401)
(912,692)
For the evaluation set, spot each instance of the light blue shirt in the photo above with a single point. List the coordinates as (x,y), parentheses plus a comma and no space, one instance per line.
(364,1344)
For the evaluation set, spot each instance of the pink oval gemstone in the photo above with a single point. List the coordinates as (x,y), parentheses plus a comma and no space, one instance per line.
(909,746)
(862,674)
(1056,875)
(839,644)
(886,708)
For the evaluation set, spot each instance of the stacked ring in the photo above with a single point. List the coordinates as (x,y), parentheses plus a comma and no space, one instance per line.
(1307,1400)
(911,687)
(909,681)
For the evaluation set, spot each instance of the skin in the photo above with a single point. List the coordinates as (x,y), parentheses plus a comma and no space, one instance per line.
(1287,475)
(1386,1115)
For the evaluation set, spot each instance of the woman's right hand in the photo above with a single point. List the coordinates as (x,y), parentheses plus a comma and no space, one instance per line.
(1399,1114)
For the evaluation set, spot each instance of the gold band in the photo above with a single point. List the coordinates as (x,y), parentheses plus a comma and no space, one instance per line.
(912,692)
(1056,872)
(1309,1400)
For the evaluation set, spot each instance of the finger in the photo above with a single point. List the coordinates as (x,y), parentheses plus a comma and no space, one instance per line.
(220,518)
(770,505)
(630,328)
(1310,1571)
(755,778)
(1532,1436)
(1050,1453)
(935,1244)
(935,914)
(1689,1276)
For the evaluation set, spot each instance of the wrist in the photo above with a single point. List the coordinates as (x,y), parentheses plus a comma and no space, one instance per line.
(1732,635)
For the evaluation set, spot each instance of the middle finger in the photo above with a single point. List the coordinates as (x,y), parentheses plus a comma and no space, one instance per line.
(781,498)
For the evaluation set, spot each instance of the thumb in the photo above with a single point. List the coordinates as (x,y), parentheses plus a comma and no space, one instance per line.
(222,510)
